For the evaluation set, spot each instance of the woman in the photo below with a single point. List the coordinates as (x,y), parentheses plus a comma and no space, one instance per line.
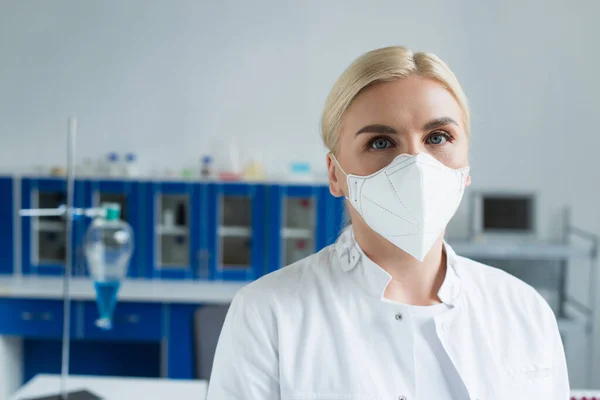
(390,311)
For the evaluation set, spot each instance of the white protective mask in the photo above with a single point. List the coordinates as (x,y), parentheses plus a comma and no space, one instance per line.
(410,201)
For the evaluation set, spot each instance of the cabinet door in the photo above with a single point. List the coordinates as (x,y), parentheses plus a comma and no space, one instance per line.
(175,230)
(131,321)
(44,238)
(238,229)
(297,223)
(31,318)
(127,194)
(7,224)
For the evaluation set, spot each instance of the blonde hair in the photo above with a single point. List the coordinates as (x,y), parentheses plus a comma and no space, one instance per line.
(384,65)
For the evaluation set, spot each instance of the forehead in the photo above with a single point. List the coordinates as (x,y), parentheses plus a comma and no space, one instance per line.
(402,103)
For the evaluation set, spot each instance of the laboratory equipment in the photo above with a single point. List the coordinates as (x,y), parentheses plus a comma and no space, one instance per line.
(112,164)
(187,173)
(57,171)
(255,170)
(231,170)
(108,248)
(229,176)
(300,171)
(68,212)
(168,218)
(503,215)
(130,169)
(206,170)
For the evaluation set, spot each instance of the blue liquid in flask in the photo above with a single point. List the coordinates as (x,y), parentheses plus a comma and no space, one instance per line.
(106,299)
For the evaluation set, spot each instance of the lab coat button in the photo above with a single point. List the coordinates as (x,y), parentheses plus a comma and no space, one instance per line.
(446,327)
(399,317)
(402,398)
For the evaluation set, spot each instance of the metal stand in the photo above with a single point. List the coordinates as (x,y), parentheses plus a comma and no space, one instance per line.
(68,213)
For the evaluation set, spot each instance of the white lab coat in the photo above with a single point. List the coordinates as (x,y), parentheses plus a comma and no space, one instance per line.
(320,329)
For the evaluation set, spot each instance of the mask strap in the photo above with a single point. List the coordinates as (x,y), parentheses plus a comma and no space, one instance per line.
(338,163)
(344,172)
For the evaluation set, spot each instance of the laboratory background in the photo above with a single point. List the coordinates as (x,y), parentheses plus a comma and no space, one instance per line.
(198,138)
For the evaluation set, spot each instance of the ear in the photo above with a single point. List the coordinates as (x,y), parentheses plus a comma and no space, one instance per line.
(334,182)
(468,181)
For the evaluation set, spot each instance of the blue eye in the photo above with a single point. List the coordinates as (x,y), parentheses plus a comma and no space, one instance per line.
(380,143)
(437,138)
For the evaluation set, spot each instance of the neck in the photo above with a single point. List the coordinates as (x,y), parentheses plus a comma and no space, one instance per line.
(413,282)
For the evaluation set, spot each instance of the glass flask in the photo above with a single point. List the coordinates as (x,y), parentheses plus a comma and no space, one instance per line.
(108,248)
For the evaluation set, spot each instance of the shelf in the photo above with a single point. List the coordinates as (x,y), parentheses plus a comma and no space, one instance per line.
(173,266)
(519,251)
(297,233)
(235,231)
(49,226)
(171,230)
(232,267)
(52,261)
(132,290)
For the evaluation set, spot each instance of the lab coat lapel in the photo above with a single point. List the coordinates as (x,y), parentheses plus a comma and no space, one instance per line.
(465,343)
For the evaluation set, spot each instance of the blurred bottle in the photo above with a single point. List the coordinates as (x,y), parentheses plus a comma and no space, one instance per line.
(300,171)
(187,173)
(255,169)
(112,164)
(130,168)
(206,168)
(232,170)
(169,218)
(57,171)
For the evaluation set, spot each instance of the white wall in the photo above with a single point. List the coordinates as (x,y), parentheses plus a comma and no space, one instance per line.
(172,80)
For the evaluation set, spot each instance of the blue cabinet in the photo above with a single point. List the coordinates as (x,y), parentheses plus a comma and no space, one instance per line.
(237,226)
(43,239)
(337,217)
(174,229)
(131,348)
(43,318)
(31,318)
(183,229)
(131,322)
(7,224)
(297,219)
(130,196)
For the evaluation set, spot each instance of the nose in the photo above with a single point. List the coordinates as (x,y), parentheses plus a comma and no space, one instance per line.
(414,146)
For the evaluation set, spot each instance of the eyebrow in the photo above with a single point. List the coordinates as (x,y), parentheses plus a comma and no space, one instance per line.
(376,129)
(386,129)
(439,122)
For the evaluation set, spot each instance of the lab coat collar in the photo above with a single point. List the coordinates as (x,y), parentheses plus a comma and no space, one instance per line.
(376,279)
